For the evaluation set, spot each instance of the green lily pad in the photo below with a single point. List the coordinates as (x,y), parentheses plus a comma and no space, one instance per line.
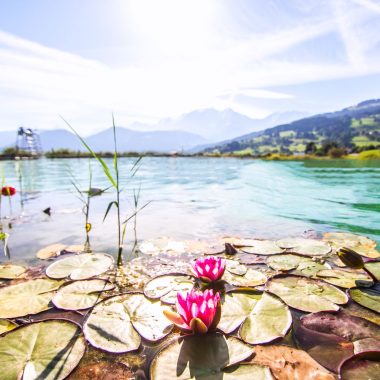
(234,267)
(30,297)
(285,262)
(6,326)
(199,357)
(307,294)
(236,307)
(374,269)
(306,247)
(162,285)
(80,267)
(360,244)
(268,320)
(10,271)
(46,350)
(310,268)
(252,277)
(369,298)
(345,278)
(248,371)
(115,324)
(80,295)
(263,247)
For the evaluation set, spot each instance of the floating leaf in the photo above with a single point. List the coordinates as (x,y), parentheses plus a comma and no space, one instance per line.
(162,285)
(263,247)
(196,357)
(310,268)
(360,244)
(268,320)
(80,267)
(330,337)
(234,267)
(307,294)
(45,350)
(248,371)
(80,295)
(26,298)
(113,323)
(345,278)
(358,368)
(289,363)
(236,307)
(6,326)
(50,251)
(252,277)
(10,271)
(374,269)
(306,247)
(285,262)
(369,298)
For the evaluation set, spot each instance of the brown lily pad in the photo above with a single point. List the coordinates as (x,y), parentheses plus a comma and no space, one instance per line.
(103,370)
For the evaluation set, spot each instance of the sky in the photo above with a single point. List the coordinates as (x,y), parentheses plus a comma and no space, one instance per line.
(146,60)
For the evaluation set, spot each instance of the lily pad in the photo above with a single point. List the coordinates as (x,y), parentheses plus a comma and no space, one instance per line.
(45,350)
(80,295)
(331,338)
(307,294)
(6,326)
(248,371)
(345,278)
(234,267)
(306,247)
(236,307)
(289,363)
(26,298)
(358,367)
(80,267)
(10,271)
(103,370)
(369,298)
(50,251)
(360,244)
(263,247)
(310,268)
(115,324)
(269,319)
(252,277)
(162,285)
(196,357)
(374,269)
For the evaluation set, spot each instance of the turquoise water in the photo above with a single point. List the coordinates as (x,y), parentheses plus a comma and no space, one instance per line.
(195,198)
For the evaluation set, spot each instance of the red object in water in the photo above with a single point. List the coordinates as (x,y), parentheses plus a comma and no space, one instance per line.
(8,191)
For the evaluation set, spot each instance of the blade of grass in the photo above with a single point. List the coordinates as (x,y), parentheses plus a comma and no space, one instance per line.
(100,160)
(109,208)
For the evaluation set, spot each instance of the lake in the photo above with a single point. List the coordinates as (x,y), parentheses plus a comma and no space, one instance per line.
(195,198)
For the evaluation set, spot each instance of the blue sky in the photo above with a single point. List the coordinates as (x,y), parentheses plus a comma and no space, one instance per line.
(150,59)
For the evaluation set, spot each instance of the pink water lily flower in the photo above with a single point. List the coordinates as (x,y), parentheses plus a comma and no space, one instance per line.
(197,311)
(209,269)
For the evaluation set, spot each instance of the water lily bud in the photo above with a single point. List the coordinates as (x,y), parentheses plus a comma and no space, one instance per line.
(350,258)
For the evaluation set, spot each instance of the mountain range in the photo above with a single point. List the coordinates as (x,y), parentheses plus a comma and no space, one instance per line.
(197,128)
(354,128)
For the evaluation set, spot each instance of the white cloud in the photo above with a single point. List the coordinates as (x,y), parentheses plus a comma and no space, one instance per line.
(182,63)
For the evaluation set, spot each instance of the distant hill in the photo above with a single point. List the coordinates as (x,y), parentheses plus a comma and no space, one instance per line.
(156,141)
(354,128)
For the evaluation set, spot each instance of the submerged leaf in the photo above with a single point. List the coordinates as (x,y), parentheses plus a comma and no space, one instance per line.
(46,350)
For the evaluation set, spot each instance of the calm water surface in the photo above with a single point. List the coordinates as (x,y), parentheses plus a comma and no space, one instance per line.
(195,198)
